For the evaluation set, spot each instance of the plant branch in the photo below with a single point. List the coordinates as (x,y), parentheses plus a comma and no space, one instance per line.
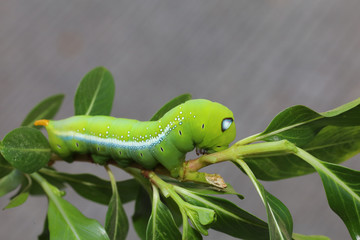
(238,150)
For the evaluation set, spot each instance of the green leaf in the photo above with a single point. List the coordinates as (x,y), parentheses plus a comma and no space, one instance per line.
(335,144)
(26,149)
(142,213)
(22,195)
(332,144)
(116,222)
(297,236)
(161,224)
(279,218)
(333,136)
(5,167)
(94,188)
(191,233)
(342,190)
(18,200)
(170,105)
(95,93)
(300,124)
(66,221)
(10,182)
(46,109)
(231,219)
(201,217)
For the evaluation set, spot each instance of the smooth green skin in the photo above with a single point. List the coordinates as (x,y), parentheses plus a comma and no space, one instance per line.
(195,123)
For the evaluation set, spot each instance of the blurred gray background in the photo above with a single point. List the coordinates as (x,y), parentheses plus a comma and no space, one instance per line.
(256,57)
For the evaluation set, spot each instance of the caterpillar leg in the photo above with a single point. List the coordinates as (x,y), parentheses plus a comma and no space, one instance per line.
(207,178)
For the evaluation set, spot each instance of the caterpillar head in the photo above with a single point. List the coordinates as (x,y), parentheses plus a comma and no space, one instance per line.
(212,125)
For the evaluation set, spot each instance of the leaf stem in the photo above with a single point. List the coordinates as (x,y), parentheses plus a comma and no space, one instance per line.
(252,177)
(250,139)
(139,177)
(49,189)
(27,176)
(112,179)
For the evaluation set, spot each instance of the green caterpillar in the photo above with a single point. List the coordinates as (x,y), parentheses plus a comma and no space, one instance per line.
(199,123)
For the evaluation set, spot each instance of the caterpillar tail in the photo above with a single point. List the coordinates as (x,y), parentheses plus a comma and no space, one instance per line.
(42,122)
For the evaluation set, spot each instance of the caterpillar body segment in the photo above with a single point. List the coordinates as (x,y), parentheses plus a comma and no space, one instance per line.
(195,123)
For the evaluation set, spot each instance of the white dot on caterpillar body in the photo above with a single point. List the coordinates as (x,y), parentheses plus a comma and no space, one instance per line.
(83,129)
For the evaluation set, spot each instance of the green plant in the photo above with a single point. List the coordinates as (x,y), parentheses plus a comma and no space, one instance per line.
(292,145)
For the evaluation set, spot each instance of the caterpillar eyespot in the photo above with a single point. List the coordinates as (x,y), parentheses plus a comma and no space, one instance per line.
(226,123)
(127,140)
